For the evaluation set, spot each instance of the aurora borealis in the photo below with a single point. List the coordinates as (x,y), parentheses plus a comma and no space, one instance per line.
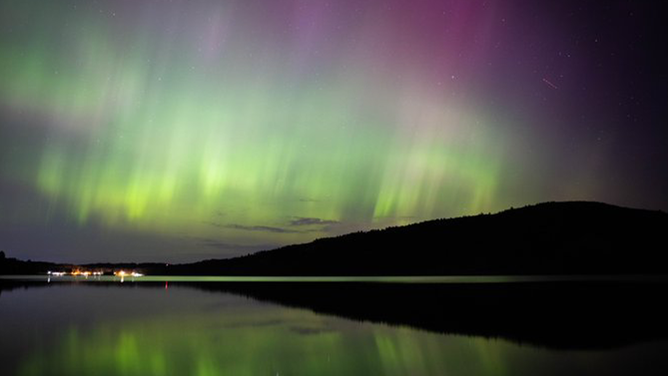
(182,130)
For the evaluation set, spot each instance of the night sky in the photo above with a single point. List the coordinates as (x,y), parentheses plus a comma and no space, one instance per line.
(183,130)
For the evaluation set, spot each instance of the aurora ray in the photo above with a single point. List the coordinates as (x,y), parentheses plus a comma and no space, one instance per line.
(180,130)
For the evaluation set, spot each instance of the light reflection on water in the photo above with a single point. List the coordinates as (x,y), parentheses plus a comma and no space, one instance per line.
(68,329)
(365,279)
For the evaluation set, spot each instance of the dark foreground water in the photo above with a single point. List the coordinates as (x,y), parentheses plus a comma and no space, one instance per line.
(363,328)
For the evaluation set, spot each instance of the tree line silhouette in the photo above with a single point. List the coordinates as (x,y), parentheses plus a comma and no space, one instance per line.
(550,238)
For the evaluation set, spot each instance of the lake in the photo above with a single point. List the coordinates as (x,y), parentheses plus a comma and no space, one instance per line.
(196,326)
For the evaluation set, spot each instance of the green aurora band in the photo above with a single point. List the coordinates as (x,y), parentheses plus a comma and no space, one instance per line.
(227,127)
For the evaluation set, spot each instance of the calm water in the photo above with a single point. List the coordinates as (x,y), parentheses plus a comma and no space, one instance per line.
(176,329)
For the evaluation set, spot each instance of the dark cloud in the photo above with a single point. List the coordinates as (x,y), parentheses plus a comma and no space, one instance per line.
(304,221)
(279,230)
(225,246)
(274,229)
(305,331)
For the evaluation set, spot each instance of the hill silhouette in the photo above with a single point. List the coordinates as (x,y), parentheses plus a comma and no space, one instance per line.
(10,265)
(564,238)
(549,238)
